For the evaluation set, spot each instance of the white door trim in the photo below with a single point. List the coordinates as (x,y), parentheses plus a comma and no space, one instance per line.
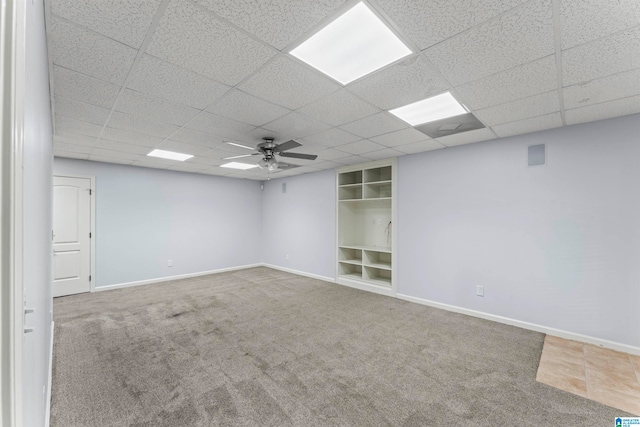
(92,218)
(12,86)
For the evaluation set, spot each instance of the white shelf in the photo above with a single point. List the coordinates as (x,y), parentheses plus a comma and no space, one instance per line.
(384,266)
(365,213)
(385,249)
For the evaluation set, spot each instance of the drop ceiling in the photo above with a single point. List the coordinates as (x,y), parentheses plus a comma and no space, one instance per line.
(131,76)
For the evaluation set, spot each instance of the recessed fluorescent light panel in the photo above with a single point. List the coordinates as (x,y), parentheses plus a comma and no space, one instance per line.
(355,44)
(170,155)
(238,165)
(430,109)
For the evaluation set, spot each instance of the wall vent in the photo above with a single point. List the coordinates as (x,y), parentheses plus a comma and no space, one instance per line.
(536,155)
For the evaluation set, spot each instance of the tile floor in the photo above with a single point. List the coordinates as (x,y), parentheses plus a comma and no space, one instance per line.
(599,374)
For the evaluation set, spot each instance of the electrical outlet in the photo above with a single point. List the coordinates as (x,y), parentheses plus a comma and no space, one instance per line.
(169,263)
(287,256)
(480,291)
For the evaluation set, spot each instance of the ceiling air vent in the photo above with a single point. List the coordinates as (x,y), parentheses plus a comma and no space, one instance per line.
(450,125)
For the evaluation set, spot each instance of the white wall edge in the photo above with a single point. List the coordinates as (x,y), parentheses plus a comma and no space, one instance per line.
(299,273)
(169,278)
(47,413)
(526,325)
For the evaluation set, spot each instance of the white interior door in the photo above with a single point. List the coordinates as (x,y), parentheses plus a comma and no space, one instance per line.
(71,235)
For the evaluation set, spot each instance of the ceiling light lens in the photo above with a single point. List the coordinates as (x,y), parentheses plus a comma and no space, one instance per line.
(431,109)
(170,155)
(238,165)
(355,44)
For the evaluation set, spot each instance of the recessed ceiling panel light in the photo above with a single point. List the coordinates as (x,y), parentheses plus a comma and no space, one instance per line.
(430,109)
(355,44)
(170,155)
(238,165)
(239,145)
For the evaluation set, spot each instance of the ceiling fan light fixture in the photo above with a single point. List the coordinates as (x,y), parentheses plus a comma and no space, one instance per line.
(355,44)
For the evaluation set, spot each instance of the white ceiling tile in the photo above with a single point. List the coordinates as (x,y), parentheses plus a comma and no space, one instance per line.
(296,125)
(601,90)
(287,82)
(537,105)
(403,83)
(332,154)
(331,138)
(609,55)
(208,161)
(189,37)
(181,147)
(360,147)
(141,125)
(387,153)
(582,21)
(80,87)
(420,146)
(124,21)
(401,137)
(89,53)
(73,148)
(517,83)
(140,104)
(65,124)
(466,137)
(101,152)
(107,144)
(127,136)
(243,107)
(188,167)
(74,138)
(221,126)
(339,108)
(113,160)
(165,80)
(430,23)
(69,154)
(352,160)
(195,137)
(154,162)
(519,36)
(534,124)
(375,125)
(606,110)
(325,165)
(277,22)
(80,111)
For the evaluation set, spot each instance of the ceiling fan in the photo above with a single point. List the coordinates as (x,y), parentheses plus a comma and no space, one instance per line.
(268,149)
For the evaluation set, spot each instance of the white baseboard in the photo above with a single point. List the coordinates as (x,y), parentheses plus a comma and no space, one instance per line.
(168,278)
(382,290)
(299,273)
(526,325)
(47,411)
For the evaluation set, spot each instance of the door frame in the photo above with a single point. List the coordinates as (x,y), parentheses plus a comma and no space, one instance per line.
(92,220)
(12,87)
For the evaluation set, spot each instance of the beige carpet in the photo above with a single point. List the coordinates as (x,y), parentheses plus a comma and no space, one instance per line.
(260,347)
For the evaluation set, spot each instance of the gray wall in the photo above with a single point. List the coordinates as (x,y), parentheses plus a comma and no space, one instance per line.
(300,223)
(37,207)
(555,245)
(145,217)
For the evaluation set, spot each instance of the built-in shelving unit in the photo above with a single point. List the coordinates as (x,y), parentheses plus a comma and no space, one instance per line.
(365,233)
